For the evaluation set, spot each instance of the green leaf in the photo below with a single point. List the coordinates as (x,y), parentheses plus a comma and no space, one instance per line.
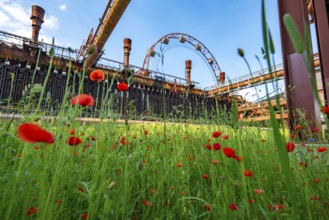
(293,33)
(272,48)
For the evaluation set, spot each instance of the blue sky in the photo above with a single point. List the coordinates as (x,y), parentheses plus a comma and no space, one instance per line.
(222,26)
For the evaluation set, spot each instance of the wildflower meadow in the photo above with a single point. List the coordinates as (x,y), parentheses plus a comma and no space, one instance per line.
(69,167)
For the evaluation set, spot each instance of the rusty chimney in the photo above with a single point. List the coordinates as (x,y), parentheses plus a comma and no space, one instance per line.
(37,19)
(188,67)
(222,77)
(127,49)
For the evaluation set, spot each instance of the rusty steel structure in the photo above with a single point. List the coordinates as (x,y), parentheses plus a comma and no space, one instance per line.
(18,57)
(257,78)
(154,53)
(112,14)
(295,69)
(37,19)
(320,10)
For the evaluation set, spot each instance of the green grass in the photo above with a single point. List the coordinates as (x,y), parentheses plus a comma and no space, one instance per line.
(148,182)
(160,170)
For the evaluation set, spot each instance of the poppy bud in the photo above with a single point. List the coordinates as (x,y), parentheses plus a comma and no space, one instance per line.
(92,49)
(111,185)
(240,52)
(139,166)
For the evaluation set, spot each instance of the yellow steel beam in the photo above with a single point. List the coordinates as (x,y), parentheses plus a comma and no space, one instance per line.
(110,21)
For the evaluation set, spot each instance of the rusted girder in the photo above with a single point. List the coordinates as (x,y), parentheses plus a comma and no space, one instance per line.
(295,70)
(321,17)
(110,21)
(253,80)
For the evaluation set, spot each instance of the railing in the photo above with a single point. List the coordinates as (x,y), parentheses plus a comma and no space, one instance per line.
(246,77)
(119,66)
(19,41)
(67,53)
(259,73)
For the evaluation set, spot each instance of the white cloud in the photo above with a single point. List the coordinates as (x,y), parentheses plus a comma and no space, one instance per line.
(51,22)
(15,18)
(3,18)
(63,7)
(16,12)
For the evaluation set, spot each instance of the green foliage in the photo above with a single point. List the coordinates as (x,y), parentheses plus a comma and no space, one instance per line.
(294,34)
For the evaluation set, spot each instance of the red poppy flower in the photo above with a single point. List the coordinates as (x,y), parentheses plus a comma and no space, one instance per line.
(71,131)
(205,176)
(93,138)
(87,145)
(322,149)
(216,134)
(238,158)
(314,130)
(146,132)
(97,75)
(83,99)
(259,191)
(229,152)
(215,162)
(31,210)
(316,180)
(209,147)
(290,146)
(292,135)
(216,146)
(251,201)
(298,127)
(263,140)
(19,155)
(325,109)
(123,86)
(58,201)
(154,191)
(207,207)
(179,164)
(279,206)
(32,133)
(248,173)
(84,216)
(226,136)
(73,141)
(315,198)
(233,206)
(147,203)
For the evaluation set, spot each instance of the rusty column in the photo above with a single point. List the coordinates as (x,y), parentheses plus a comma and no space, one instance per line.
(298,85)
(222,77)
(188,67)
(126,49)
(37,19)
(321,17)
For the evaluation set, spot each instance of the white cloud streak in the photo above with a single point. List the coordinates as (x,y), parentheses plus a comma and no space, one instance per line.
(15,18)
(63,7)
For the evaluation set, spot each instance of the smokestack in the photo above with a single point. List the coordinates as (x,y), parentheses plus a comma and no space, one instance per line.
(188,67)
(37,19)
(127,49)
(222,77)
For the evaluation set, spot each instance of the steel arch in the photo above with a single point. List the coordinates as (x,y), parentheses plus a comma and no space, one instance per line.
(182,38)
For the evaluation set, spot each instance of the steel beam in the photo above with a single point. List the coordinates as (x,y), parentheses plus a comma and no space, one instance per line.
(298,85)
(321,17)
